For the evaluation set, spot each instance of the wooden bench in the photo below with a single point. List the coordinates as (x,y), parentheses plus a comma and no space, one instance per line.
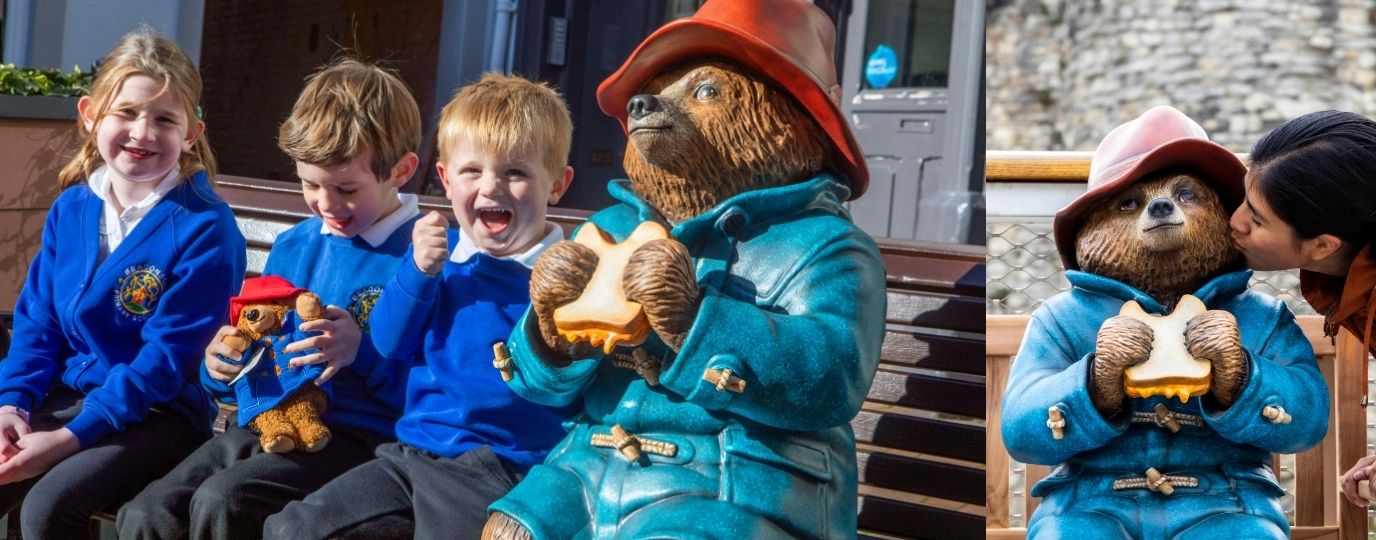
(920,434)
(1320,510)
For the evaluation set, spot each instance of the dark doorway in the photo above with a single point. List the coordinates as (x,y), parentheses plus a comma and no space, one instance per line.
(256,54)
(601,34)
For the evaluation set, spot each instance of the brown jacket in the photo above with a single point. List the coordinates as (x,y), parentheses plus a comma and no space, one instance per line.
(1345,301)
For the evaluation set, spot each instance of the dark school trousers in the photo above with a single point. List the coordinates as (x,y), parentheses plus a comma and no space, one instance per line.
(228,486)
(404,493)
(59,503)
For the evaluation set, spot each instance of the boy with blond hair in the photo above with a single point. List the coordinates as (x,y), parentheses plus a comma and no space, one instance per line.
(353,134)
(465,439)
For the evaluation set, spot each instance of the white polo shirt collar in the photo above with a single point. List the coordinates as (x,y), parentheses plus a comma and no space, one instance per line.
(466,249)
(382,229)
(115,226)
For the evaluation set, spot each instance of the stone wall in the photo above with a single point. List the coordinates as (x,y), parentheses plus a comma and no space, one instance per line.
(1062,73)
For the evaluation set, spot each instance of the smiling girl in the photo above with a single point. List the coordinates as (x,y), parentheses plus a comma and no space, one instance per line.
(139,259)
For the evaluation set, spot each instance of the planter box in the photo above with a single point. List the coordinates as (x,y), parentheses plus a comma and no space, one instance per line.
(37,137)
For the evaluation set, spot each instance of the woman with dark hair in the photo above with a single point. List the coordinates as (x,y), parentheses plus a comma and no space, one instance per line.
(1311,204)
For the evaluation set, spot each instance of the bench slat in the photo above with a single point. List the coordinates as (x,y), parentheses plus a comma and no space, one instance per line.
(262,231)
(922,477)
(928,393)
(914,347)
(915,521)
(922,435)
(956,277)
(257,260)
(936,310)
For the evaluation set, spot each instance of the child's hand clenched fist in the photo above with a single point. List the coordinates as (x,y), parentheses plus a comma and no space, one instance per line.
(431,243)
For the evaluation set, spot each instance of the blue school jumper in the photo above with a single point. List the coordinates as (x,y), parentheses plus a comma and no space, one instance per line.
(455,400)
(127,331)
(349,273)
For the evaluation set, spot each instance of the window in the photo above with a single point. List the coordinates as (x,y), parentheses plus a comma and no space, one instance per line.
(678,9)
(907,44)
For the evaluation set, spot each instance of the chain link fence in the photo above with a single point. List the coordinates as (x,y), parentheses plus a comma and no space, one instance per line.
(1024,270)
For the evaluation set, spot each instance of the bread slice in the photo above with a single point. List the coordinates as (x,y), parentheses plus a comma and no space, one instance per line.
(1170,370)
(602,315)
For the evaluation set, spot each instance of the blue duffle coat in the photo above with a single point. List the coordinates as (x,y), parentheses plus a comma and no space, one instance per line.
(1228,451)
(792,302)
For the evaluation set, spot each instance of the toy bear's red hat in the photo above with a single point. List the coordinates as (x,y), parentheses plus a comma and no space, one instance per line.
(1162,138)
(789,41)
(261,289)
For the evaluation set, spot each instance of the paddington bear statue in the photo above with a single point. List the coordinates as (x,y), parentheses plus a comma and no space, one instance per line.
(731,420)
(1170,456)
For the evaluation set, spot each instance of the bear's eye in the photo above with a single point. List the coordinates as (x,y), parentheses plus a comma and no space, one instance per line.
(705,91)
(1127,205)
(1185,195)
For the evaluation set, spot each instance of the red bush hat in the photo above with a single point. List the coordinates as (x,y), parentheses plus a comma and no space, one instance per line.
(791,42)
(261,289)
(1161,138)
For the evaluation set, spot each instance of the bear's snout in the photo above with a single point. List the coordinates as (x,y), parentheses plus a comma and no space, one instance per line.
(1160,208)
(260,319)
(641,105)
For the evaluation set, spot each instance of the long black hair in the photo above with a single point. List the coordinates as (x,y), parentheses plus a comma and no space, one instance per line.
(1318,174)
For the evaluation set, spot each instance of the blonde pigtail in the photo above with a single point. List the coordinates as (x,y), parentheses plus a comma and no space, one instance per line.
(199,158)
(80,167)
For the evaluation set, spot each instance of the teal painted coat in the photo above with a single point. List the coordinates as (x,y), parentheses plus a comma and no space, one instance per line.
(793,301)
(1229,451)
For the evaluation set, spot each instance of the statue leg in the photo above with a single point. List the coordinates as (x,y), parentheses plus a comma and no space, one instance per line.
(552,502)
(1245,509)
(1252,510)
(689,516)
(1233,525)
(501,527)
(1071,525)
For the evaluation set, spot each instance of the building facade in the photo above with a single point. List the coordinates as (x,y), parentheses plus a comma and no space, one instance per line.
(911,74)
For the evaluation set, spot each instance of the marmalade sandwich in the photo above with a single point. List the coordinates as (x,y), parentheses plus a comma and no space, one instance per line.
(602,315)
(1170,370)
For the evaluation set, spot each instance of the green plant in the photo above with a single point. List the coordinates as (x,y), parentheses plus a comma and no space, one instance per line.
(43,82)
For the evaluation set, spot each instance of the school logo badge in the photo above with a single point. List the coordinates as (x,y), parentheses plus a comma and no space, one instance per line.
(361,305)
(138,291)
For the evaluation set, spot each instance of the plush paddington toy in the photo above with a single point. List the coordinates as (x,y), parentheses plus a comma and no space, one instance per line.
(281,404)
(1159,385)
(766,304)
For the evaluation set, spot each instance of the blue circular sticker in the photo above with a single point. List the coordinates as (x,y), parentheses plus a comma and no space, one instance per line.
(882,67)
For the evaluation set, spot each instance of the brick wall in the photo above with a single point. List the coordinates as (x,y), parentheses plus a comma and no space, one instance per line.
(256,54)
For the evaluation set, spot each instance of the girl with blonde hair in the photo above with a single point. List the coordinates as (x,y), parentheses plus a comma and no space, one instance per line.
(98,396)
